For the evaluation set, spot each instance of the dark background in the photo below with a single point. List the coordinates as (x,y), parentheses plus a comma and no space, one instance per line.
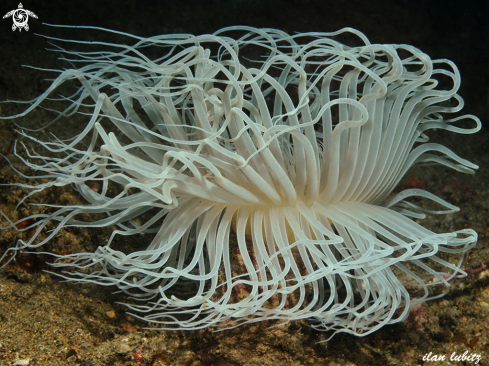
(453,29)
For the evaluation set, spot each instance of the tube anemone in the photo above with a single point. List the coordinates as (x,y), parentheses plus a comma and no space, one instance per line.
(266,183)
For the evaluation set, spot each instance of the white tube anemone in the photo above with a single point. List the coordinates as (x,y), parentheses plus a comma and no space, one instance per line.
(267,183)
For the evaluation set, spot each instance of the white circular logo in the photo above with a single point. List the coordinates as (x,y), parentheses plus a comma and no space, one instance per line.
(20,17)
